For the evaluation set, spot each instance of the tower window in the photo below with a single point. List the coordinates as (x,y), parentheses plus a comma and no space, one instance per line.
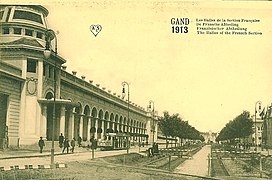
(18,14)
(7,18)
(17,31)
(5,30)
(39,35)
(1,14)
(28,32)
(31,66)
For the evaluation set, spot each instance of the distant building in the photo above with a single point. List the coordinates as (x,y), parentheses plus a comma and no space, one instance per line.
(267,127)
(209,136)
(258,126)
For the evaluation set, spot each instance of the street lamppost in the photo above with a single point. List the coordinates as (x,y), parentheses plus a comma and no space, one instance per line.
(153,119)
(258,102)
(50,35)
(123,96)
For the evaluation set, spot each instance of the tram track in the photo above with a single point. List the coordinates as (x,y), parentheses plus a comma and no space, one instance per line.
(218,167)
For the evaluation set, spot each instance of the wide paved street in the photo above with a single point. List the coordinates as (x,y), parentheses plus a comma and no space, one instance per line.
(197,165)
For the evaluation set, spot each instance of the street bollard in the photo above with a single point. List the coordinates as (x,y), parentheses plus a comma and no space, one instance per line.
(261,166)
(169,162)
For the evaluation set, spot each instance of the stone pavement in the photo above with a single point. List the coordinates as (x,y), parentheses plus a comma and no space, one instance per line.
(197,165)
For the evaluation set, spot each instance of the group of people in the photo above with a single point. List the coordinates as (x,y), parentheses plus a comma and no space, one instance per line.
(63,143)
(154,150)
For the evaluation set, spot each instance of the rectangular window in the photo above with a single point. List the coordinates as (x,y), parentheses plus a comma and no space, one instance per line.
(5,30)
(9,10)
(28,32)
(39,35)
(31,66)
(19,14)
(17,30)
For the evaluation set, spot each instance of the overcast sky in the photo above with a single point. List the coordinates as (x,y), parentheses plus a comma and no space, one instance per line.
(207,79)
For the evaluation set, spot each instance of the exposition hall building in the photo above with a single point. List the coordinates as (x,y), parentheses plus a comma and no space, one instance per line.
(28,84)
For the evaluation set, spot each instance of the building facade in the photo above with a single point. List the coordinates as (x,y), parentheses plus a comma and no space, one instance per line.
(209,136)
(28,82)
(258,126)
(267,128)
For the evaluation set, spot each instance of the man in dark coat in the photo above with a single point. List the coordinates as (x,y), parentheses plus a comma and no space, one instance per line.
(73,144)
(79,141)
(41,144)
(66,145)
(61,139)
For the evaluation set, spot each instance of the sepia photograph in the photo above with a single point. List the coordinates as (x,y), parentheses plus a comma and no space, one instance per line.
(135,90)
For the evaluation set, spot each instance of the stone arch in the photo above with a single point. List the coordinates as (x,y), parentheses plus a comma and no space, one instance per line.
(111,121)
(99,121)
(116,123)
(128,125)
(49,95)
(137,127)
(49,91)
(131,125)
(94,114)
(77,115)
(120,124)
(106,116)
(124,124)
(86,114)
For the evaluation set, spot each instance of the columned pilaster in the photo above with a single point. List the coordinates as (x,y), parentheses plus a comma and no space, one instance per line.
(71,124)
(117,127)
(103,128)
(62,120)
(81,125)
(44,121)
(96,127)
(89,128)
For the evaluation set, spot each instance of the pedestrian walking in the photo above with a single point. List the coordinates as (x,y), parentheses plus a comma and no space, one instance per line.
(73,144)
(61,140)
(41,144)
(66,145)
(79,141)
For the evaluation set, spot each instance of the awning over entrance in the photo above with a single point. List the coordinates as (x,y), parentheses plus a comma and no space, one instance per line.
(65,102)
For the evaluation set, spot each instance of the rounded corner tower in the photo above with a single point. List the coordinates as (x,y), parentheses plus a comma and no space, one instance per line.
(28,21)
(26,76)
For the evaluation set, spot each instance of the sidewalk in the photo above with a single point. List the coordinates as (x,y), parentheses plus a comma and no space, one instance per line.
(30,152)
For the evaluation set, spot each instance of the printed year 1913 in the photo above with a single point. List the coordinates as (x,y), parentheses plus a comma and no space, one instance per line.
(180,25)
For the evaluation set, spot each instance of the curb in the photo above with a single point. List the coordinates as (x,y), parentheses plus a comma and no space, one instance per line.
(30,166)
(32,156)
